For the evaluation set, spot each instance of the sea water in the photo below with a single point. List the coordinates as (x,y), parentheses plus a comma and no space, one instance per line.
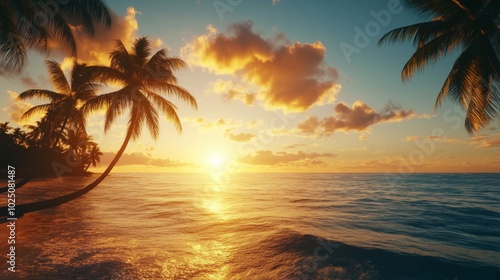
(262,226)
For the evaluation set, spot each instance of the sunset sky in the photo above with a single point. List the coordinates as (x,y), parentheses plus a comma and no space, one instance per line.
(281,86)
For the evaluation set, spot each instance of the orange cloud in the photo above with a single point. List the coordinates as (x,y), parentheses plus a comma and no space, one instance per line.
(291,77)
(140,159)
(239,137)
(231,91)
(358,117)
(225,124)
(17,108)
(486,141)
(435,138)
(267,157)
(95,49)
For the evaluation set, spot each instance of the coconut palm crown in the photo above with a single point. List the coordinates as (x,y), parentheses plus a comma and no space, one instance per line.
(470,26)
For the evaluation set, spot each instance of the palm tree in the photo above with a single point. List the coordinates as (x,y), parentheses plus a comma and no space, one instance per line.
(32,24)
(92,156)
(4,127)
(141,93)
(64,104)
(77,142)
(471,27)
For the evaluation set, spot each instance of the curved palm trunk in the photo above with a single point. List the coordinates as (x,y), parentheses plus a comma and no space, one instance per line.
(40,205)
(27,179)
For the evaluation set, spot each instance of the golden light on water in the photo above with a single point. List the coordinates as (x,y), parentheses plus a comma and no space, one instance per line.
(214,206)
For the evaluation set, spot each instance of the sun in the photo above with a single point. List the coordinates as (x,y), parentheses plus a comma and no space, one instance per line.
(216,160)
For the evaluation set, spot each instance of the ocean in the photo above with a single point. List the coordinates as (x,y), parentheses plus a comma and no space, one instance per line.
(262,226)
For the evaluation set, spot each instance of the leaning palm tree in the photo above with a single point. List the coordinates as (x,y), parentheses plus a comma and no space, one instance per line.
(32,24)
(144,79)
(473,28)
(65,102)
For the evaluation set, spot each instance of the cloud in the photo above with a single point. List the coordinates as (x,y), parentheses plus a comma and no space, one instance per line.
(293,146)
(140,159)
(267,157)
(436,138)
(231,91)
(358,117)
(16,108)
(220,123)
(239,137)
(486,141)
(95,49)
(28,82)
(292,77)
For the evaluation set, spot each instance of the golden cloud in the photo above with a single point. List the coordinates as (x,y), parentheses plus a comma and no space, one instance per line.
(267,157)
(358,117)
(231,91)
(239,137)
(140,159)
(220,124)
(436,138)
(291,77)
(16,108)
(95,49)
(486,141)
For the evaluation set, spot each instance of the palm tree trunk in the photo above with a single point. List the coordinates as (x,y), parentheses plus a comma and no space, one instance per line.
(60,133)
(40,205)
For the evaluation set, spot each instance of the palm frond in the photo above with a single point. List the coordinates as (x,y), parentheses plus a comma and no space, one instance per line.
(36,109)
(166,107)
(151,118)
(142,50)
(120,58)
(57,77)
(62,32)
(429,53)
(40,93)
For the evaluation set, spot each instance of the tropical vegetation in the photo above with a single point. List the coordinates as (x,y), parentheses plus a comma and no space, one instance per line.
(472,28)
(43,25)
(145,81)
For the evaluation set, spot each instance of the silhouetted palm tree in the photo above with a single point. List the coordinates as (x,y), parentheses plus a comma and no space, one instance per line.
(92,156)
(64,104)
(471,26)
(4,127)
(141,93)
(77,142)
(39,24)
(141,90)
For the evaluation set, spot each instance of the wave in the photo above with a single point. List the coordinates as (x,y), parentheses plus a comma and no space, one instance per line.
(311,257)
